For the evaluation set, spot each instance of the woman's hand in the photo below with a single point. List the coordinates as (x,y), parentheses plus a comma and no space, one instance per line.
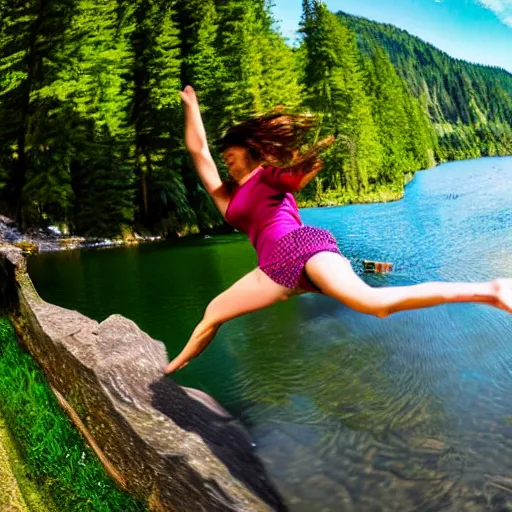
(503,291)
(195,135)
(188,95)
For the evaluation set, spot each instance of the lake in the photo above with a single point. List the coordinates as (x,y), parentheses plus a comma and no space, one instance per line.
(349,412)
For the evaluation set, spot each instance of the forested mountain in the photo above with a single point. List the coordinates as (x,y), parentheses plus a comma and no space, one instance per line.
(91,125)
(469,104)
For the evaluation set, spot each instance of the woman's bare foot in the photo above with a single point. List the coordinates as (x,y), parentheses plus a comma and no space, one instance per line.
(503,289)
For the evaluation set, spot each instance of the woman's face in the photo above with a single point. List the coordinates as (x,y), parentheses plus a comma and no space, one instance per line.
(238,161)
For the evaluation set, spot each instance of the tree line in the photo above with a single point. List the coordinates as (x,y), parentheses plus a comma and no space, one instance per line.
(91,125)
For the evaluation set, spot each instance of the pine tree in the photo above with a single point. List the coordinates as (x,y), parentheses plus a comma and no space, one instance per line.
(420,138)
(233,47)
(157,118)
(31,36)
(335,84)
(390,115)
(202,68)
(93,89)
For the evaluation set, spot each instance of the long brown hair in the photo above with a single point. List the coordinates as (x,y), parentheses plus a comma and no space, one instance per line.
(279,140)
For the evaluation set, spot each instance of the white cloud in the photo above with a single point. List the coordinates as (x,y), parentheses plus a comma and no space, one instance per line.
(494,5)
(502,9)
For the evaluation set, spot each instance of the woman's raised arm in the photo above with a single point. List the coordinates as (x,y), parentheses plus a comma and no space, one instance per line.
(197,145)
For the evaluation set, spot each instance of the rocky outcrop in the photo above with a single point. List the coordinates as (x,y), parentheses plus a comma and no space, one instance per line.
(175,447)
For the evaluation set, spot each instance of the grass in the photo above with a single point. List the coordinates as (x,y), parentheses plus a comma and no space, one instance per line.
(18,493)
(57,461)
(11,496)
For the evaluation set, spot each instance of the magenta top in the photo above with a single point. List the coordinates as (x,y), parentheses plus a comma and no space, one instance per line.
(265,209)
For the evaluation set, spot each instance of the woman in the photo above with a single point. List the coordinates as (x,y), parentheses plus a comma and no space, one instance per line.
(292,258)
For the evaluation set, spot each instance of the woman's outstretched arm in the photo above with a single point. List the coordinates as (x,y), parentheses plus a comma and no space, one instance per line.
(197,145)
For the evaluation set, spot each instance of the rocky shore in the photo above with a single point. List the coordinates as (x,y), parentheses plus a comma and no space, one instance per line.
(52,239)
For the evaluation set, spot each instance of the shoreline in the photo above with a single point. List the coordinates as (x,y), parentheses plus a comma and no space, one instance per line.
(41,241)
(51,242)
(38,241)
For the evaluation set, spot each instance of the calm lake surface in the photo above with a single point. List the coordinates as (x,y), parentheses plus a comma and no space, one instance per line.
(349,412)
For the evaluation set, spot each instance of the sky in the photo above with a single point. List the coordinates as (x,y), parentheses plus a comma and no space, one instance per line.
(474,30)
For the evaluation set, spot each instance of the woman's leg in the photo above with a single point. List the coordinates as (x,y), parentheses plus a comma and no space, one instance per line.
(335,277)
(254,291)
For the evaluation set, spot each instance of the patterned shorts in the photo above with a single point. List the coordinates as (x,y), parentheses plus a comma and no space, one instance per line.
(293,251)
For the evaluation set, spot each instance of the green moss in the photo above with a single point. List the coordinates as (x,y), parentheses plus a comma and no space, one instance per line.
(57,460)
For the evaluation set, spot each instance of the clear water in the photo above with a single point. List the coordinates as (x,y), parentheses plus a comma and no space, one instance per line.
(349,412)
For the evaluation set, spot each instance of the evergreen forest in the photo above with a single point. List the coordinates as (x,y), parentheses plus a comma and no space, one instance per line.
(91,123)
